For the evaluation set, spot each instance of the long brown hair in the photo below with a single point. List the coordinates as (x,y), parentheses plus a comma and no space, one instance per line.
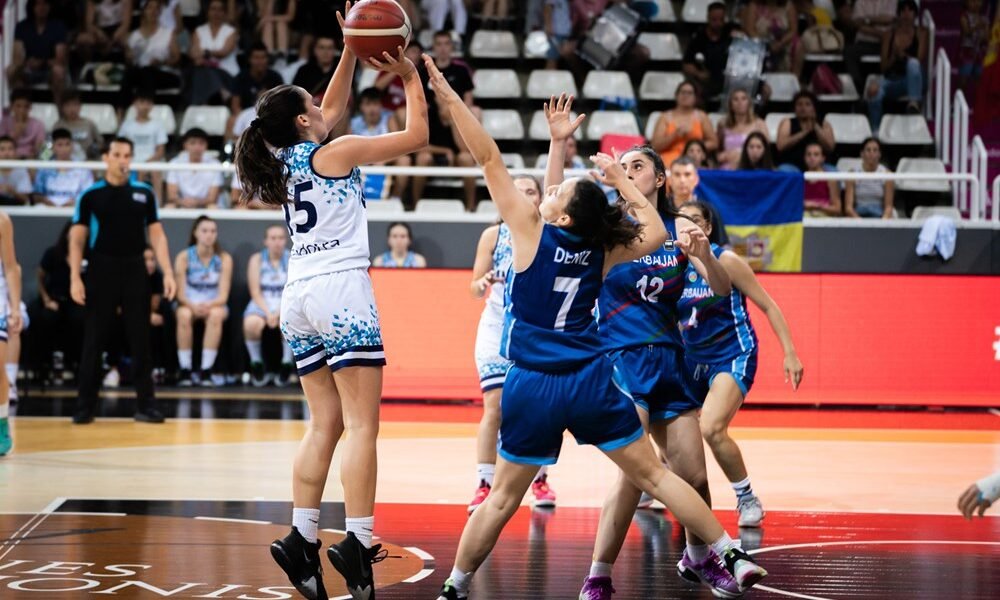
(193,239)
(261,173)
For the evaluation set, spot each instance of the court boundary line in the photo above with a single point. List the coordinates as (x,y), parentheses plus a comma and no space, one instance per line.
(35,521)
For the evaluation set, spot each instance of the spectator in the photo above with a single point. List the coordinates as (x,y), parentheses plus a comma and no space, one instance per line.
(15,184)
(193,189)
(872,19)
(870,199)
(707,52)
(315,75)
(843,21)
(739,122)
(572,160)
(87,141)
(811,15)
(171,17)
(682,181)
(275,17)
(152,53)
(437,11)
(495,12)
(213,52)
(391,85)
(776,23)
(28,132)
(975,28)
(399,254)
(256,78)
(314,20)
(105,29)
(61,187)
(756,153)
(40,53)
(372,119)
(796,132)
(267,272)
(58,320)
(695,150)
(822,198)
(446,147)
(904,50)
(553,17)
(684,123)
(149,137)
(205,275)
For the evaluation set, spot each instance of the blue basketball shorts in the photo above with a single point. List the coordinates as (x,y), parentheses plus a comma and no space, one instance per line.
(742,368)
(658,380)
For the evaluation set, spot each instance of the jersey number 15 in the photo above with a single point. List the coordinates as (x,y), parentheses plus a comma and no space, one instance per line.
(301,205)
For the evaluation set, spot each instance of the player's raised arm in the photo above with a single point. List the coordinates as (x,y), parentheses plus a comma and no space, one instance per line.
(653,233)
(561,127)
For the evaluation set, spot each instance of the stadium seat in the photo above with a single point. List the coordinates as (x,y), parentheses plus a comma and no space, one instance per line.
(543,84)
(45,112)
(849,93)
(513,160)
(848,164)
(162,113)
(659,85)
(784,86)
(487,207)
(662,46)
(504,124)
(773,121)
(366,78)
(384,207)
(665,12)
(715,118)
(538,129)
(651,123)
(904,130)
(849,128)
(496,83)
(695,11)
(536,45)
(493,44)
(921,165)
(104,116)
(602,122)
(440,207)
(923,212)
(607,84)
(210,118)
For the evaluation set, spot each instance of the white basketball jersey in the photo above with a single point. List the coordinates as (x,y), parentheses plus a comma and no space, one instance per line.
(325,217)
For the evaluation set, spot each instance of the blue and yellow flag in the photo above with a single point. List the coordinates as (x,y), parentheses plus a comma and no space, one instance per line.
(762,211)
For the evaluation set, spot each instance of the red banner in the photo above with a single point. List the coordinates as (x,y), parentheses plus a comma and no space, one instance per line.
(864,339)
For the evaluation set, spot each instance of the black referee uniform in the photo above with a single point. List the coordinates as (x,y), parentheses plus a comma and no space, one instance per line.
(117,218)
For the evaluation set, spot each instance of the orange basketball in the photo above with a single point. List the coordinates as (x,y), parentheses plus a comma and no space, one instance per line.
(376,26)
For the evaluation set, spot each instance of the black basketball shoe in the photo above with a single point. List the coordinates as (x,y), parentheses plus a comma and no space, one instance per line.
(300,561)
(354,562)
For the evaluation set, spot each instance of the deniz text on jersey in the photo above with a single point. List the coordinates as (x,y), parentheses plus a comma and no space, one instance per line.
(697,292)
(658,259)
(307,249)
(572,258)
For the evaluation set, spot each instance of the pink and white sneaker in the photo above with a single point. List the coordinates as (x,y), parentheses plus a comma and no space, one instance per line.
(480,497)
(544,496)
(710,573)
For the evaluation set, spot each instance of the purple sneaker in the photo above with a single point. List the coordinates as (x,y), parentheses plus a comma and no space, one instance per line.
(710,573)
(597,588)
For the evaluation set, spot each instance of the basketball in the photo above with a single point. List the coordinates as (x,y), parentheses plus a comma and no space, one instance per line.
(376,26)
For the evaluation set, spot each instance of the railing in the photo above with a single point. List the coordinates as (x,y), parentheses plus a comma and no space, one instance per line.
(942,106)
(960,149)
(979,163)
(10,14)
(996,199)
(931,30)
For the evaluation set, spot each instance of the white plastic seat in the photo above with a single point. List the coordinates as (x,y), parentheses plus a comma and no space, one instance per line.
(848,164)
(487,207)
(921,165)
(849,128)
(783,86)
(904,129)
(103,115)
(212,119)
(662,46)
(46,112)
(543,84)
(536,45)
(659,85)
(440,207)
(538,129)
(602,122)
(849,92)
(512,160)
(715,118)
(503,124)
(651,123)
(923,212)
(366,78)
(161,113)
(496,83)
(384,207)
(665,12)
(773,121)
(493,44)
(605,84)
(695,11)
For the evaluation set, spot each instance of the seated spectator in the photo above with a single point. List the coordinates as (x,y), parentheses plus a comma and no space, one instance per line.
(105,30)
(149,137)
(695,150)
(87,141)
(391,85)
(904,50)
(438,10)
(399,254)
(316,19)
(15,184)
(572,161)
(256,78)
(193,189)
(552,17)
(58,320)
(27,132)
(372,119)
(776,22)
(40,53)
(975,27)
(843,21)
(152,53)
(683,180)
(871,19)
(811,15)
(870,199)
(61,187)
(822,198)
(171,17)
(267,272)
(274,18)
(494,12)
(756,153)
(205,273)
(707,52)
(685,122)
(796,132)
(315,75)
(213,52)
(740,121)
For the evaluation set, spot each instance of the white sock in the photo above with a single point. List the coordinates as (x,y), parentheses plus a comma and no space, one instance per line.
(286,353)
(12,374)
(484,472)
(306,520)
(600,569)
(208,359)
(4,410)
(722,544)
(461,581)
(542,472)
(362,528)
(253,348)
(743,489)
(184,359)
(697,553)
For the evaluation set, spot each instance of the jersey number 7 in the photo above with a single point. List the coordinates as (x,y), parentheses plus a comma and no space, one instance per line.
(301,205)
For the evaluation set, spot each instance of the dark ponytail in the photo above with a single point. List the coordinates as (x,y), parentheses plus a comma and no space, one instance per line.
(663,203)
(262,175)
(598,222)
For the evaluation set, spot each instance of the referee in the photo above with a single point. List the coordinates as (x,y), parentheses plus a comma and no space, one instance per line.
(111,219)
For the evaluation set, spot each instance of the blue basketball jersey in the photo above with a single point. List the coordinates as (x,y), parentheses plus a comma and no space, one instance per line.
(409,261)
(549,323)
(714,328)
(638,303)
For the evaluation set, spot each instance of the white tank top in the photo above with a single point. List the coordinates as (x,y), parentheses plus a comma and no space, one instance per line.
(325,217)
(272,279)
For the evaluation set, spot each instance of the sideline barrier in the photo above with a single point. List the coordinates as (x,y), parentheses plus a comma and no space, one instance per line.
(864,339)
